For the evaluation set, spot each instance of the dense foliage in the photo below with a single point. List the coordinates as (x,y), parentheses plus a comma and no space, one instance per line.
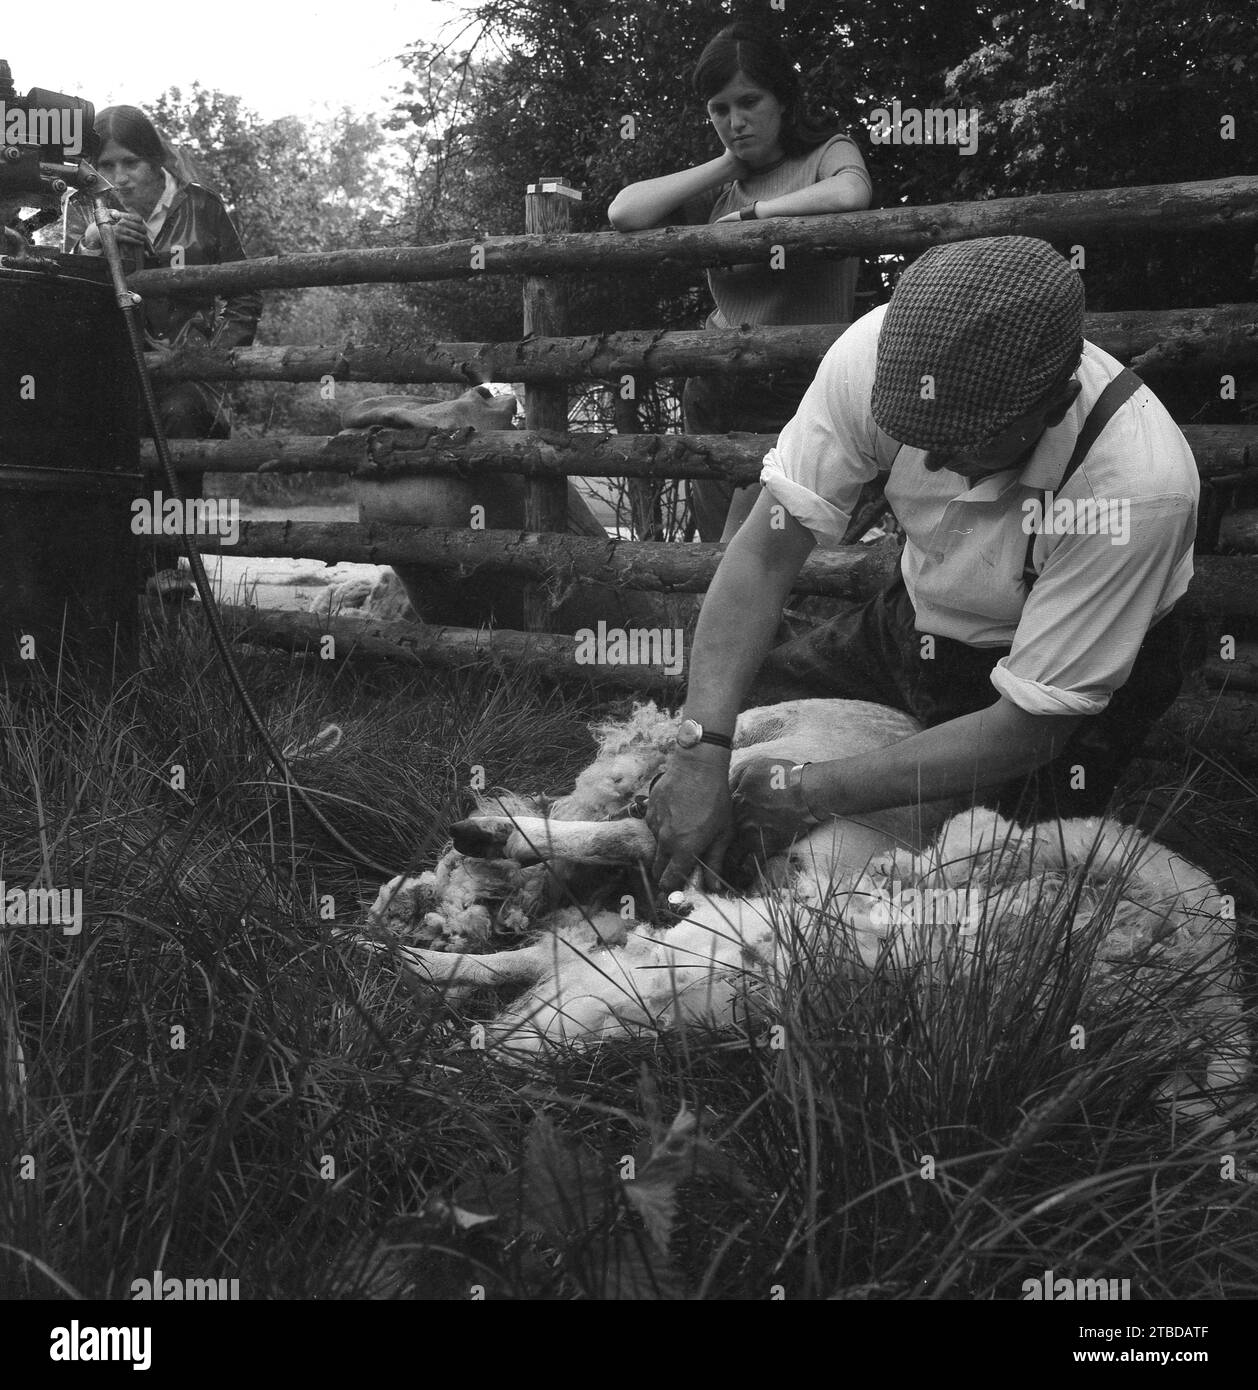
(1114,93)
(1070,95)
(1105,93)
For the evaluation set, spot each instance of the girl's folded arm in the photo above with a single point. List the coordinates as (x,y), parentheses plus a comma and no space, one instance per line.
(649,203)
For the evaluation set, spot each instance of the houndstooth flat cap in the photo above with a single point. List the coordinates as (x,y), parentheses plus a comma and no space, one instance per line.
(993,323)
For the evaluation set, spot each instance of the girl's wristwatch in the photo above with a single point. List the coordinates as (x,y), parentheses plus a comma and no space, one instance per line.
(748,213)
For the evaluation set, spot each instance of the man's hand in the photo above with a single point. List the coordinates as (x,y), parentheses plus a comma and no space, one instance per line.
(767,817)
(690,810)
(691,817)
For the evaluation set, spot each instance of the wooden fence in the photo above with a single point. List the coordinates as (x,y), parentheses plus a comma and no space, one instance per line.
(1224,595)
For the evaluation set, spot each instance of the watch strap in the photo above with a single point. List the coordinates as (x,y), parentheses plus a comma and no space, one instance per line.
(690,734)
(721,740)
(795,785)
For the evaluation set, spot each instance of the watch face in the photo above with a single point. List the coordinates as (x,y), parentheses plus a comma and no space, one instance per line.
(689,732)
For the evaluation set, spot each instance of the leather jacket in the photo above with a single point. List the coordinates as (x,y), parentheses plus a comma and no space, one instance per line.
(198,221)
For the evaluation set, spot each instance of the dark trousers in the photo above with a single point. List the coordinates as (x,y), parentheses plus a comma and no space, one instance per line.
(187,410)
(717,405)
(875,652)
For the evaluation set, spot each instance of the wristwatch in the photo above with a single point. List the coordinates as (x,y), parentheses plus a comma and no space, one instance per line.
(795,785)
(748,214)
(690,734)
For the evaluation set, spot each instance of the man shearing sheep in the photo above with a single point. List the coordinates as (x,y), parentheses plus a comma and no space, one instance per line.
(1049,507)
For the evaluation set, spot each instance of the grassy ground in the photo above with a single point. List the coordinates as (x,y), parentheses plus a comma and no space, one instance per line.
(216,1087)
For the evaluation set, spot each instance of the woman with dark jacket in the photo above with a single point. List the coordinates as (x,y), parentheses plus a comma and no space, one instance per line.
(163,218)
(169,220)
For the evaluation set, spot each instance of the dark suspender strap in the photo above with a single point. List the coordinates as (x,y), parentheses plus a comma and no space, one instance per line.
(1117,392)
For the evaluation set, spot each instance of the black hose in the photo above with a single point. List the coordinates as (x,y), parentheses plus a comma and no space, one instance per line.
(129,303)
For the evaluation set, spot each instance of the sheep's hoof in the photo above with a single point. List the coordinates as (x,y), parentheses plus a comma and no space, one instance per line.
(481,839)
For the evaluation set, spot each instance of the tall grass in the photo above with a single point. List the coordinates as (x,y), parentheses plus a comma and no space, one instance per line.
(212,1084)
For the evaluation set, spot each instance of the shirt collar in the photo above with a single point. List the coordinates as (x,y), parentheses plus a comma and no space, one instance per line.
(1053,452)
(155,218)
(1042,471)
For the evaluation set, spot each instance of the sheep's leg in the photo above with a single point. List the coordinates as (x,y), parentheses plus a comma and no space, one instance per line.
(457,971)
(531,839)
(841,845)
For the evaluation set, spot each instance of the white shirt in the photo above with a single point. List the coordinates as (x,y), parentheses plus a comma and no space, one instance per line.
(157,218)
(1074,639)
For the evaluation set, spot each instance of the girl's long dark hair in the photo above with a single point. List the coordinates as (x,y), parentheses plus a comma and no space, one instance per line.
(745,47)
(135,131)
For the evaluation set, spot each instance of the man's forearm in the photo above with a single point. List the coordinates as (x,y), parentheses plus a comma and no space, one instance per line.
(966,755)
(739,619)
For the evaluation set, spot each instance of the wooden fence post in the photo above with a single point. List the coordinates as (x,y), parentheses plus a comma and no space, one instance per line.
(548,209)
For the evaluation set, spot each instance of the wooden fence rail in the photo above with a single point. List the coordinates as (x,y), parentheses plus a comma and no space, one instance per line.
(1232,715)
(1222,585)
(1223,338)
(1141,338)
(425,647)
(1094,216)
(1221,451)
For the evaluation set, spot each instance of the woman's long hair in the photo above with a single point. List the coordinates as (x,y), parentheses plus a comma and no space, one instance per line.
(745,47)
(135,131)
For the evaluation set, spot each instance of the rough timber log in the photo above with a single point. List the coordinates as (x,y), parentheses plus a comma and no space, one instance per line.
(1239,531)
(1234,343)
(1238,673)
(382,454)
(1220,450)
(1093,216)
(553,654)
(1216,721)
(1223,587)
(849,572)
(1130,335)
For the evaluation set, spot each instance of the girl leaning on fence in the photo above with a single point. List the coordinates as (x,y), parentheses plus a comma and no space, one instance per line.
(778,161)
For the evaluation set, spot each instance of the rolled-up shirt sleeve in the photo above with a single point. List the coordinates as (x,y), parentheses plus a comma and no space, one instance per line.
(826,451)
(1089,611)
